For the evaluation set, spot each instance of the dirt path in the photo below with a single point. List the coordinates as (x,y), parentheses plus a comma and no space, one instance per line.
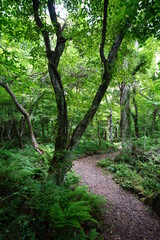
(126,217)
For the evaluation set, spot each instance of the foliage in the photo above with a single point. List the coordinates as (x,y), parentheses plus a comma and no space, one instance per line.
(131,173)
(34,207)
(90,147)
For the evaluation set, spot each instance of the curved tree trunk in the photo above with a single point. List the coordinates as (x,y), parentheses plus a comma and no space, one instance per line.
(26,116)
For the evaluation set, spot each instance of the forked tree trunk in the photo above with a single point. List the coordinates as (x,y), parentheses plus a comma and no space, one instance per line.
(61,160)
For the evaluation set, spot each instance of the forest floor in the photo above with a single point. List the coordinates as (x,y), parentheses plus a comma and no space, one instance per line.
(125,217)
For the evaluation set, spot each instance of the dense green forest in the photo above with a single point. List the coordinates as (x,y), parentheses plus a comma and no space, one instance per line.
(77,78)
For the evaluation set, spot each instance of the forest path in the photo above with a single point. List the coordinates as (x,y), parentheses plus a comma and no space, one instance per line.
(125,217)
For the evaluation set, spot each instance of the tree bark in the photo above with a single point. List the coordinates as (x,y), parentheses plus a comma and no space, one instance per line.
(26,116)
(135,116)
(116,137)
(125,115)
(111,126)
(99,133)
(53,61)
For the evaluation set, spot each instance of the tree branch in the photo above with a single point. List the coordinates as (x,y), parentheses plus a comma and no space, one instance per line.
(107,75)
(41,27)
(114,50)
(103,59)
(53,17)
(137,68)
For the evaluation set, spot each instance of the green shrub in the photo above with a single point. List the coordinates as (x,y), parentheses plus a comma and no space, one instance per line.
(104,162)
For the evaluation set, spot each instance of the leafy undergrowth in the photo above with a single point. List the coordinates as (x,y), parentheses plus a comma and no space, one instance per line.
(142,178)
(34,207)
(85,148)
(148,143)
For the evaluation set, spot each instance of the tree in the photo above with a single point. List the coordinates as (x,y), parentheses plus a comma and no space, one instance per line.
(59,160)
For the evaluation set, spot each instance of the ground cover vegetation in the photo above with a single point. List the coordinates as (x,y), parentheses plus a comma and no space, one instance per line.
(139,174)
(76,77)
(34,207)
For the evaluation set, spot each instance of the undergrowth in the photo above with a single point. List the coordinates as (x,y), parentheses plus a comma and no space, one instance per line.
(131,173)
(34,207)
(91,147)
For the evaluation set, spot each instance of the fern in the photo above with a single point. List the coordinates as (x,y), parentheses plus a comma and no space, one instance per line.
(73,215)
(33,205)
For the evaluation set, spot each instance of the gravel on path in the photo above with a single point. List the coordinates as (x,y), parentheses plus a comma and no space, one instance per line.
(125,217)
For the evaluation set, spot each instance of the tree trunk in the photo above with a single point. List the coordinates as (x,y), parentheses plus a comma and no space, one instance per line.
(111,126)
(26,116)
(125,116)
(99,133)
(135,116)
(154,119)
(116,136)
